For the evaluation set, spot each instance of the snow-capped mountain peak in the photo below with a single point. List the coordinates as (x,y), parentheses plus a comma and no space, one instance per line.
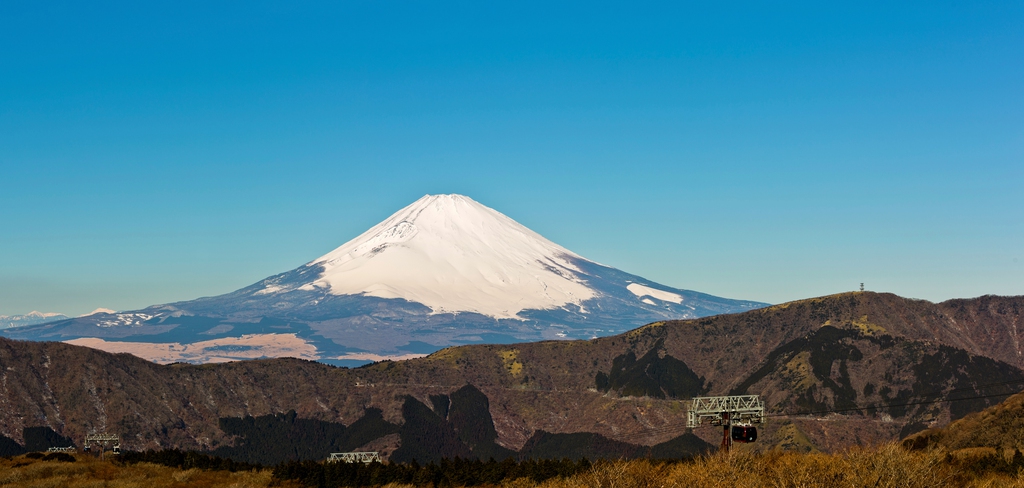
(444,270)
(454,254)
(31,318)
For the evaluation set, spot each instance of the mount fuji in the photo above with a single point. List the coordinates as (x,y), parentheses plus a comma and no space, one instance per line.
(445,270)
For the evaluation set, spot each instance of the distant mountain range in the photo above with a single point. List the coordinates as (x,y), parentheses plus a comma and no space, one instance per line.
(851,369)
(31,318)
(443,271)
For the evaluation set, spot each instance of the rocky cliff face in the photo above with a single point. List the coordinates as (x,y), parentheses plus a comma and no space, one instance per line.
(882,366)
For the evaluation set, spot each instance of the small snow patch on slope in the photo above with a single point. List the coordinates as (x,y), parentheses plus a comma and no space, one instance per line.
(269,289)
(453,254)
(646,291)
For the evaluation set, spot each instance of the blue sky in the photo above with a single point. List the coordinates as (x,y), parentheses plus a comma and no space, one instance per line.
(160,151)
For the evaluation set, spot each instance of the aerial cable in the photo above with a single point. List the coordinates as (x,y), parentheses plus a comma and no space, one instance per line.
(681,427)
(879,407)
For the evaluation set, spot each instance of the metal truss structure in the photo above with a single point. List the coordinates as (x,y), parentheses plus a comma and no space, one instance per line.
(61,449)
(354,457)
(726,409)
(102,440)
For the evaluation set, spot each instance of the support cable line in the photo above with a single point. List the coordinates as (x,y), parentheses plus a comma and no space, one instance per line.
(574,390)
(879,407)
(681,427)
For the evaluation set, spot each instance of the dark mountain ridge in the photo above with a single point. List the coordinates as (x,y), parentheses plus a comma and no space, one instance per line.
(856,352)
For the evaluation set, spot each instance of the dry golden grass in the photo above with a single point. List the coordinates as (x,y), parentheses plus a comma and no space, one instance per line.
(886,466)
(89,472)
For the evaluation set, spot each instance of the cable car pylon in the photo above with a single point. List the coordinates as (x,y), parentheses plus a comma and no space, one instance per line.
(737,415)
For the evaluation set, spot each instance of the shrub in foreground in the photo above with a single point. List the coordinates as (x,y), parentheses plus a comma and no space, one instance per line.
(448,472)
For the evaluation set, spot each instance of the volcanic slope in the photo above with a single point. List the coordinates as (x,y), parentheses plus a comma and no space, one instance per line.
(836,371)
(999,427)
(446,270)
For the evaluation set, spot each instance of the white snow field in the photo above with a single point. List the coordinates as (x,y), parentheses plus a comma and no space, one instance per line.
(454,254)
(443,271)
(646,291)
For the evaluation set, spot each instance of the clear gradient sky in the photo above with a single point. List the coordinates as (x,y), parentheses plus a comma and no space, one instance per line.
(160,151)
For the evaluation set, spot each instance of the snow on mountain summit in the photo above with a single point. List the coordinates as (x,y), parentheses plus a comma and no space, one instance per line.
(442,271)
(454,254)
(33,317)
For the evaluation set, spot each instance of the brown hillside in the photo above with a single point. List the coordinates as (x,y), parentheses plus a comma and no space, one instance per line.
(1000,427)
(991,326)
(800,355)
